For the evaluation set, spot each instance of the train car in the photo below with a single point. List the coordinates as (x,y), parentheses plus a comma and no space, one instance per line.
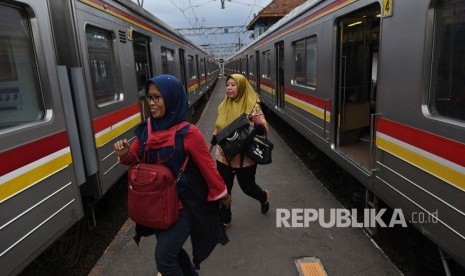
(379,87)
(72,74)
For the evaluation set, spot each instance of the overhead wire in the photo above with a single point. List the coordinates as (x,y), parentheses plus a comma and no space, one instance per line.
(182,11)
(247,20)
(253,5)
(212,38)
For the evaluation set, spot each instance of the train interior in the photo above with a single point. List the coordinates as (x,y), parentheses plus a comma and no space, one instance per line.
(358,62)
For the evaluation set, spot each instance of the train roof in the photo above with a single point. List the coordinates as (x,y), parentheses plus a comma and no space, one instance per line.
(299,10)
(148,15)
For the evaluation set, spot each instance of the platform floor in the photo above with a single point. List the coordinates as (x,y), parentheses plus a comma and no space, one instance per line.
(257,246)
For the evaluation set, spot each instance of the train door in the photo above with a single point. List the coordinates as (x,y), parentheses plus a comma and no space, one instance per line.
(257,71)
(356,96)
(204,68)
(141,48)
(182,61)
(197,71)
(107,89)
(247,67)
(201,76)
(279,95)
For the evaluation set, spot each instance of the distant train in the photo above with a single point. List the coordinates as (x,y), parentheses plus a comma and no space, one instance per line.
(379,86)
(72,74)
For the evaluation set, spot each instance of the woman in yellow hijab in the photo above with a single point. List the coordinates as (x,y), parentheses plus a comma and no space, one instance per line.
(240,98)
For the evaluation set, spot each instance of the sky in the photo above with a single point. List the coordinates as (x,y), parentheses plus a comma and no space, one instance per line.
(199,14)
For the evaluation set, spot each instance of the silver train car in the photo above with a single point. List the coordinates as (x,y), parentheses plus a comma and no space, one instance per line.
(379,86)
(72,74)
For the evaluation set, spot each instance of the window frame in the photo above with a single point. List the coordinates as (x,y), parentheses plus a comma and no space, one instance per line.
(311,41)
(117,95)
(167,67)
(437,59)
(267,64)
(13,85)
(141,80)
(191,66)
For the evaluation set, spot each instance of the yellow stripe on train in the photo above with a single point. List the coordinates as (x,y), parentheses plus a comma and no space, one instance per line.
(310,108)
(267,89)
(34,176)
(101,140)
(437,169)
(193,88)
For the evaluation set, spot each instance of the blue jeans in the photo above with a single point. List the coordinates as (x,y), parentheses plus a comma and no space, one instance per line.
(170,257)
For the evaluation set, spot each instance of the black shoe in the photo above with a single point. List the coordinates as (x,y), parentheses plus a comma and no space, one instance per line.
(266,205)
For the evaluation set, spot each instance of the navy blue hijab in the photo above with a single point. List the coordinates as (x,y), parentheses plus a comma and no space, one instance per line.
(176,105)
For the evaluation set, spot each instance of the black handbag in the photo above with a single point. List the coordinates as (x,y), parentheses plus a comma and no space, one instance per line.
(236,137)
(260,150)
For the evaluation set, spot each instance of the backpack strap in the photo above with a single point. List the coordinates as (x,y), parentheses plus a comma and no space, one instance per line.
(184,164)
(177,127)
(183,168)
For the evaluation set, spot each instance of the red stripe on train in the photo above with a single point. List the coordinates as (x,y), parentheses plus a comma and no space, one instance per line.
(303,97)
(308,98)
(443,147)
(112,118)
(18,157)
(268,84)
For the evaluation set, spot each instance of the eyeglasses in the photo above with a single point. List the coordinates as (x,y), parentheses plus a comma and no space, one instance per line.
(155,98)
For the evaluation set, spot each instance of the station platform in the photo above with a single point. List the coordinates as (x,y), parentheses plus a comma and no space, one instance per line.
(257,246)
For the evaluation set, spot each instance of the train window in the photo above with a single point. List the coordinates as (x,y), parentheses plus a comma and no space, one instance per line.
(102,65)
(190,64)
(267,64)
(299,57)
(142,59)
(21,100)
(448,74)
(252,65)
(305,58)
(167,61)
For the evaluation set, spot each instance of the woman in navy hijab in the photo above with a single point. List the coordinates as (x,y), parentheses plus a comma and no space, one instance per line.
(200,188)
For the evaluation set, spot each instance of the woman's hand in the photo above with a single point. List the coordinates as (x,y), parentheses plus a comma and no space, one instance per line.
(225,201)
(121,148)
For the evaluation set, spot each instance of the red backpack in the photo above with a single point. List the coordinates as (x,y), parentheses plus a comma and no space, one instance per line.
(152,195)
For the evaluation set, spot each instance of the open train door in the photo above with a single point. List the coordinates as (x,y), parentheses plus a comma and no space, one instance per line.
(358,43)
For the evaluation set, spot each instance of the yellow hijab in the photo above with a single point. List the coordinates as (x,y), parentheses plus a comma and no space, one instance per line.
(244,102)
